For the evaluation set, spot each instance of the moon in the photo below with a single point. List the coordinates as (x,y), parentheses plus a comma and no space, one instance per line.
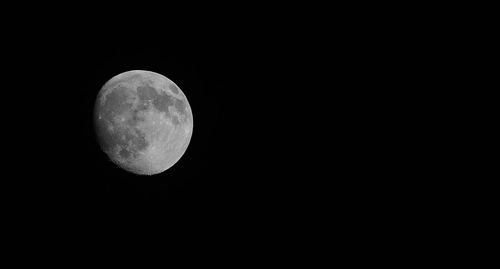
(143,121)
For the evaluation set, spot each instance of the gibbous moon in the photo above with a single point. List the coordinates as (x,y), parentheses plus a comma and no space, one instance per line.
(143,121)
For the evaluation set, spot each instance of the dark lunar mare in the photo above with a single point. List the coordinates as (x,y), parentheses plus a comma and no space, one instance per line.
(180,106)
(173,88)
(160,101)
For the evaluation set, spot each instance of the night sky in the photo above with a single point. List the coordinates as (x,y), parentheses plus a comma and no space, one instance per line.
(307,127)
(253,154)
(236,156)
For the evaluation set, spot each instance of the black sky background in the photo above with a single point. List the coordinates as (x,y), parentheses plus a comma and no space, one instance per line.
(268,103)
(244,173)
(265,99)
(312,126)
(239,156)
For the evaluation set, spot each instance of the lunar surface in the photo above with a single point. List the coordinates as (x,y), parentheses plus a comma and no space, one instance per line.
(143,121)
